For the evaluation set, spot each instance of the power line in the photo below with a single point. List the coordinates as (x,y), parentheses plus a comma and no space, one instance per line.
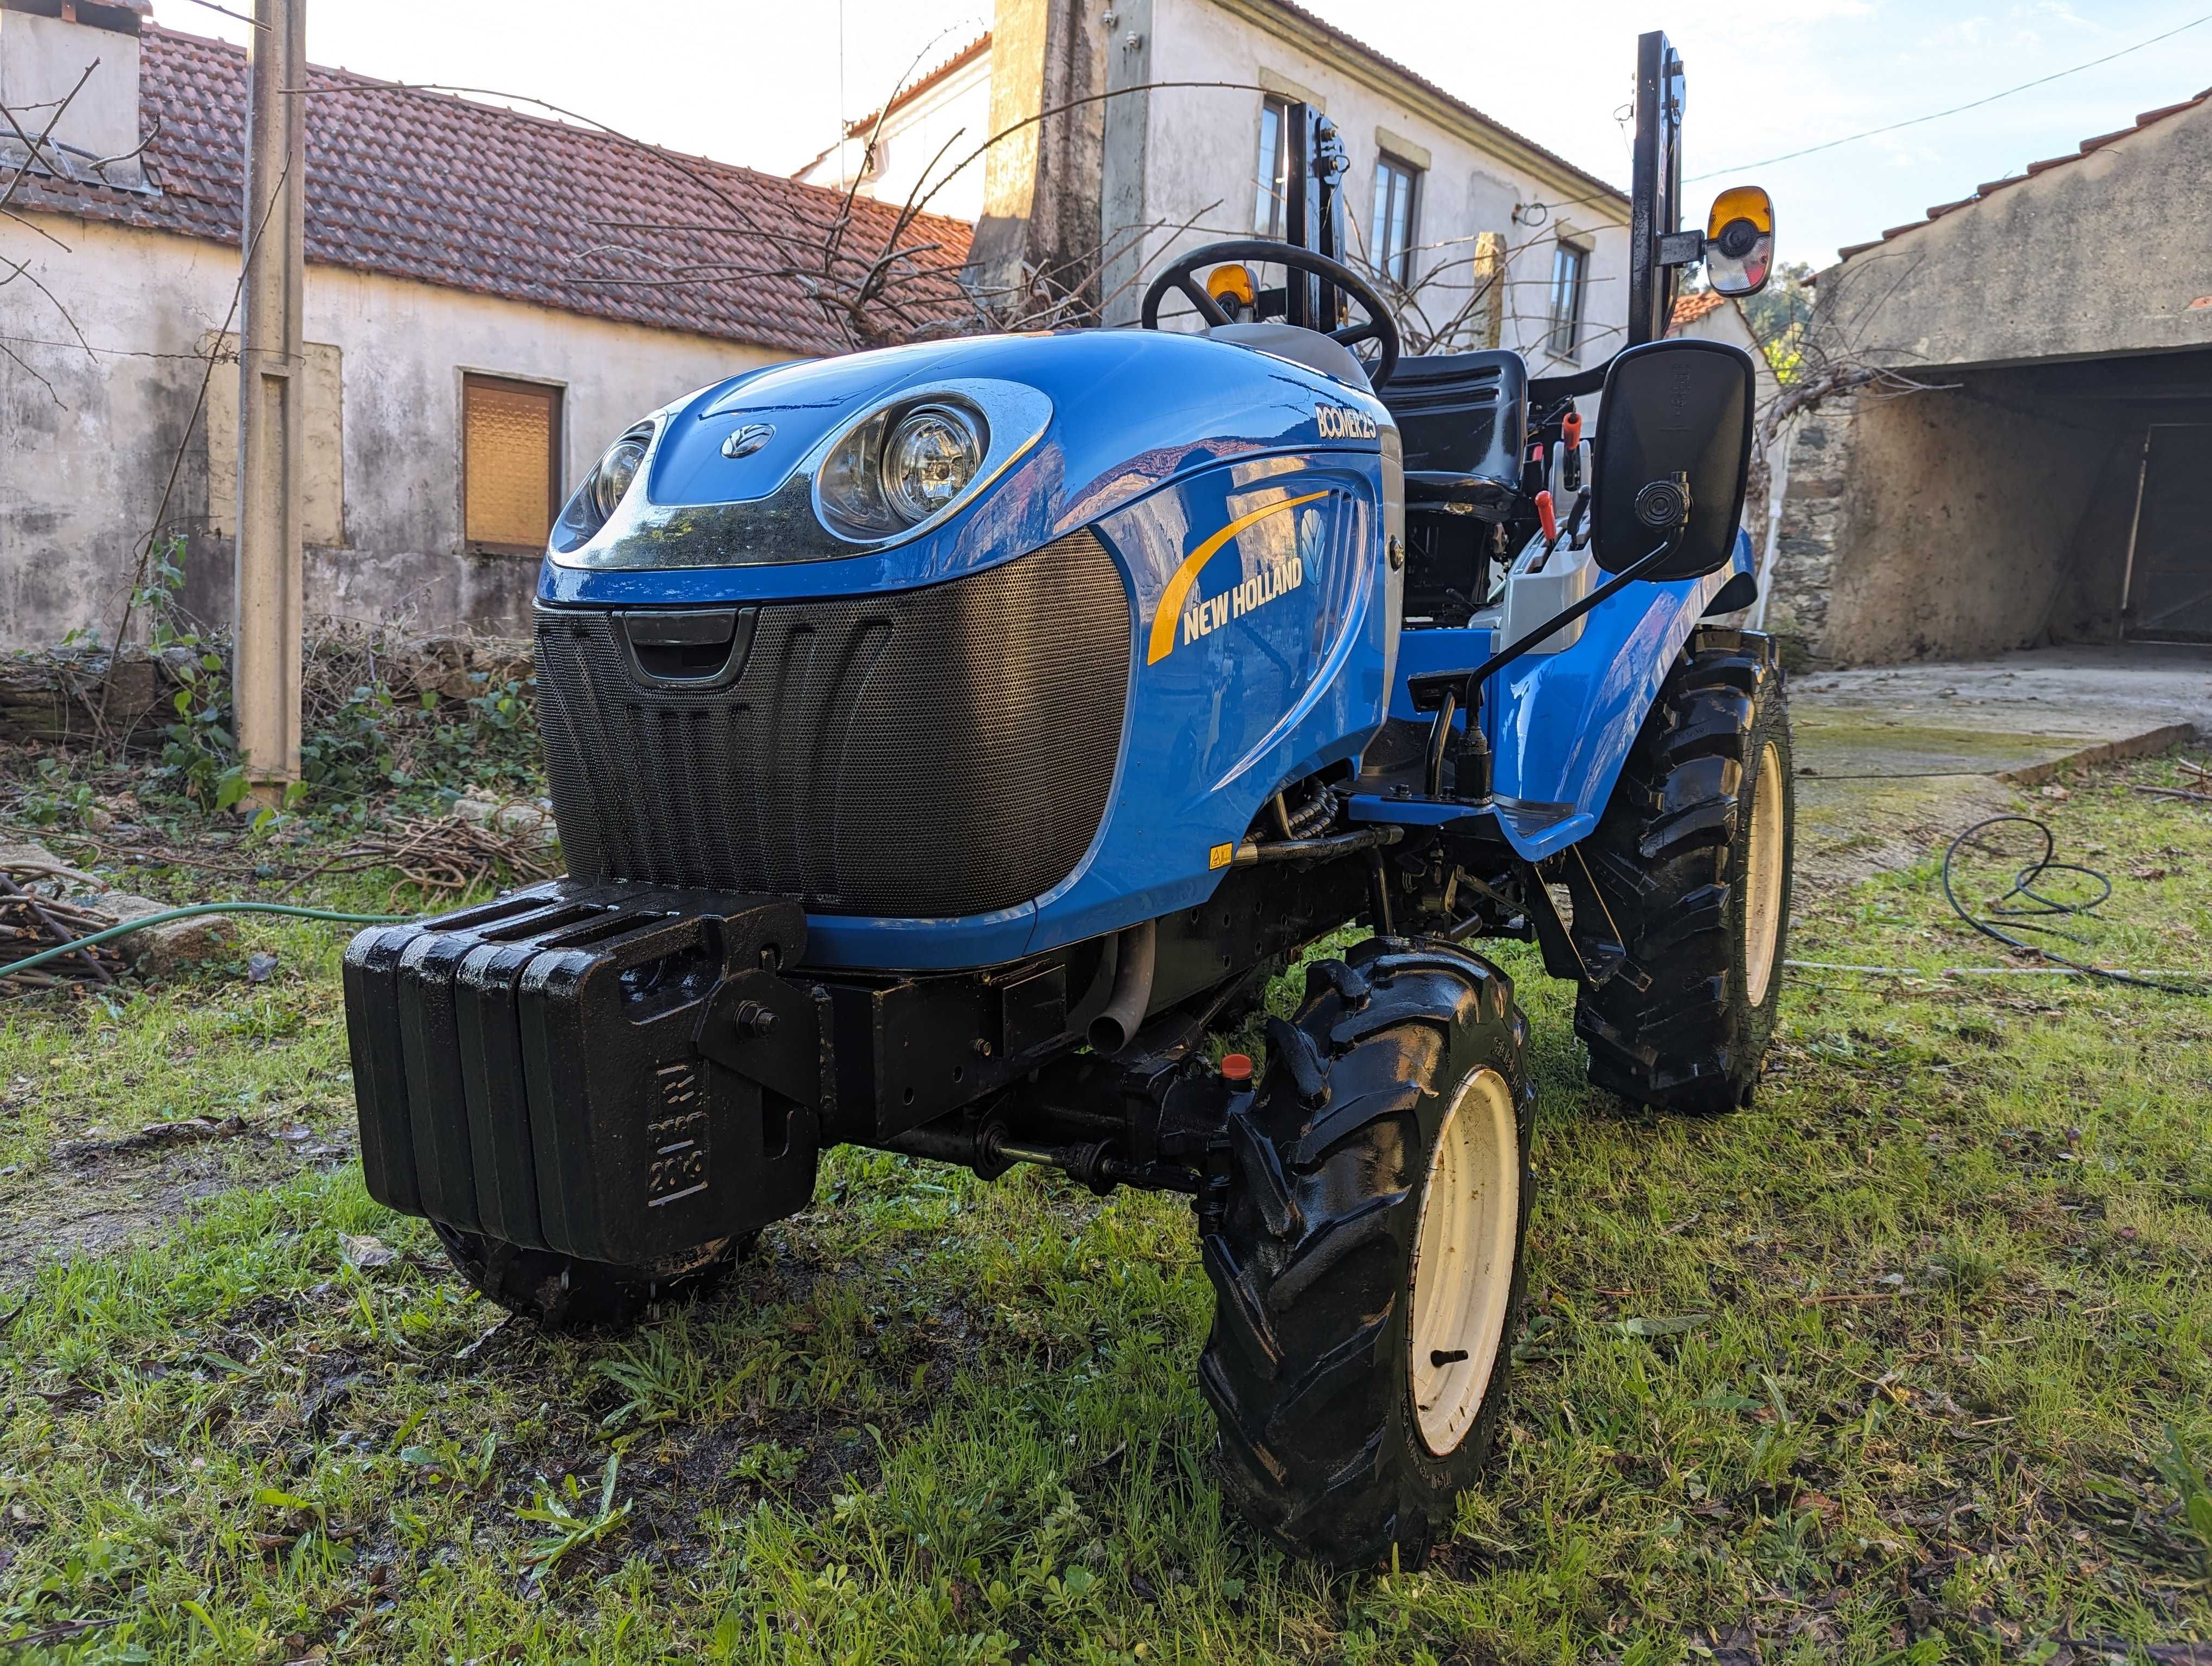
(1956,109)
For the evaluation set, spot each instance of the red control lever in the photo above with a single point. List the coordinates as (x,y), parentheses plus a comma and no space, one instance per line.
(1570,428)
(1546,514)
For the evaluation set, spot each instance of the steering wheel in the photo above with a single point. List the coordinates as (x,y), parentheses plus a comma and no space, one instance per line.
(1378,326)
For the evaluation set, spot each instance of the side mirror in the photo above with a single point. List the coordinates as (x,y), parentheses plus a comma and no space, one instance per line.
(1677,414)
(1740,241)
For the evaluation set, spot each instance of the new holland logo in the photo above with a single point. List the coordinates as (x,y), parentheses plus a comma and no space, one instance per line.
(1342,423)
(1201,618)
(1276,579)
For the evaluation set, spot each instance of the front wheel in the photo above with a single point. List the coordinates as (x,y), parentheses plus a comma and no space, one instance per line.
(1367,1264)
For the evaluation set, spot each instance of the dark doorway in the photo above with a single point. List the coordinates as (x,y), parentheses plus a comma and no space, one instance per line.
(2167,592)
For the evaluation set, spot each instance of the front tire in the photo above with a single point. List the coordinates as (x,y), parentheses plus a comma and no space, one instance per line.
(1691,863)
(562,1293)
(1367,1266)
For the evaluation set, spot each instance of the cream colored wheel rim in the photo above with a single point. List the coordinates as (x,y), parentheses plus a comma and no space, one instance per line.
(1463,1260)
(1762,876)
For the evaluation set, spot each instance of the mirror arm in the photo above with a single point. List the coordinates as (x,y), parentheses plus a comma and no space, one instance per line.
(1451,681)
(1567,616)
(1472,782)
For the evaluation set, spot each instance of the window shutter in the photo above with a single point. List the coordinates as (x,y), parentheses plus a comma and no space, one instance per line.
(511,437)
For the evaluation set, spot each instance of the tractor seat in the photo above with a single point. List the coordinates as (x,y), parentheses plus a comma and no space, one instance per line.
(1309,347)
(1463,419)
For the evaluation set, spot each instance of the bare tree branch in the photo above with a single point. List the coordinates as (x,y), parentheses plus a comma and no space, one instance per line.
(34,146)
(29,370)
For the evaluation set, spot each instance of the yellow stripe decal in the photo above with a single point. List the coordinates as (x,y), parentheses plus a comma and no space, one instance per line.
(1171,599)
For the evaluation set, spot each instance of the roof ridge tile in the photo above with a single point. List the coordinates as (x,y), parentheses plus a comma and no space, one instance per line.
(1989,188)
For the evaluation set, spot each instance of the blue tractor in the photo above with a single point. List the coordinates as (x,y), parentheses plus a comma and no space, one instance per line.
(947,741)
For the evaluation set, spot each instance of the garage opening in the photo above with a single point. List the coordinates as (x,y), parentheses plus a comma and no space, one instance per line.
(2167,594)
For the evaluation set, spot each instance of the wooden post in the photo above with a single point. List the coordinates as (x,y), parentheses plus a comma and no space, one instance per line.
(271,393)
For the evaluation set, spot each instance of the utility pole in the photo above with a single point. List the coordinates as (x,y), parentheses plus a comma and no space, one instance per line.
(271,391)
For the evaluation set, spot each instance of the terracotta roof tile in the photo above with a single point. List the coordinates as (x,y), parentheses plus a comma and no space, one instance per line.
(2104,139)
(1688,309)
(1989,188)
(861,126)
(429,186)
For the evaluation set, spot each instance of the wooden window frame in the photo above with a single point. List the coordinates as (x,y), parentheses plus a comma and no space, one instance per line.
(1271,175)
(557,395)
(1568,325)
(1397,263)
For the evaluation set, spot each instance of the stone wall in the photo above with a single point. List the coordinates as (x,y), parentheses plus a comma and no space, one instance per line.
(1812,515)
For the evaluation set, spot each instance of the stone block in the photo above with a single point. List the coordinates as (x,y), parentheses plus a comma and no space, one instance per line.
(173,944)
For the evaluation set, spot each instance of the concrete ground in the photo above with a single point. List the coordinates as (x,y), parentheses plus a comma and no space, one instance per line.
(1894,760)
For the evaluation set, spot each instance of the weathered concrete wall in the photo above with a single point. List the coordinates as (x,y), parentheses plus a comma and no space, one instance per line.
(1201,149)
(87,440)
(1949,523)
(2111,253)
(1042,182)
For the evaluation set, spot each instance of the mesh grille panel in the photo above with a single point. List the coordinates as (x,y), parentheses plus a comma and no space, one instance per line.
(940,752)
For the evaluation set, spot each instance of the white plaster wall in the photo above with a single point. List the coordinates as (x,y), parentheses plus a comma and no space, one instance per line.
(42,59)
(83,466)
(1202,148)
(953,118)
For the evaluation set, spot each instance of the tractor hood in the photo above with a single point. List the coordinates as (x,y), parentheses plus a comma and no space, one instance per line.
(735,494)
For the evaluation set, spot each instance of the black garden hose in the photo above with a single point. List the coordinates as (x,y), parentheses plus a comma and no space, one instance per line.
(2034,904)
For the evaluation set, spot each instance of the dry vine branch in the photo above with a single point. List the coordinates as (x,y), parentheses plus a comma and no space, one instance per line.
(32,151)
(442,856)
(144,549)
(883,291)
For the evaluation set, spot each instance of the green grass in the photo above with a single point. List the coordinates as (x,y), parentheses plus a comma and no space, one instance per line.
(1909,1362)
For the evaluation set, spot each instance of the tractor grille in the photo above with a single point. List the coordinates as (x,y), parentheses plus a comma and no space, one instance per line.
(941,752)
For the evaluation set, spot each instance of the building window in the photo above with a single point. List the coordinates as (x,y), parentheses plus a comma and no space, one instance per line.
(1273,174)
(1393,233)
(510,464)
(1569,274)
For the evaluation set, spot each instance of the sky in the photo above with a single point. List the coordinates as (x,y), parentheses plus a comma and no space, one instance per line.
(764,84)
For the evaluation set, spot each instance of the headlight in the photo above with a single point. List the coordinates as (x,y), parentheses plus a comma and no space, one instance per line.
(933,454)
(603,490)
(903,465)
(612,478)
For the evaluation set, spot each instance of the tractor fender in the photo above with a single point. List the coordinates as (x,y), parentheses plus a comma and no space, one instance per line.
(1566,722)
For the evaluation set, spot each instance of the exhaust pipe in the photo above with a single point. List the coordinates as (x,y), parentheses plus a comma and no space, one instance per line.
(1132,991)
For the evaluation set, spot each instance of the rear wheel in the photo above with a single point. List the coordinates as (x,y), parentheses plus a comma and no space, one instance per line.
(1691,863)
(1367,1267)
(562,1293)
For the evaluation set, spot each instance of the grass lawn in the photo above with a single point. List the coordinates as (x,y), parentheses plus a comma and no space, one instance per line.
(1909,1362)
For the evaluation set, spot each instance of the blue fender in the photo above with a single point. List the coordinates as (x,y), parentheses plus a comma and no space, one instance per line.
(1560,725)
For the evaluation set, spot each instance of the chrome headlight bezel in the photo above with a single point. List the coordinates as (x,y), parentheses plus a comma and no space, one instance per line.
(789,522)
(593,504)
(1012,416)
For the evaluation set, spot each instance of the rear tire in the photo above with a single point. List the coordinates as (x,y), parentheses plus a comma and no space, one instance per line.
(1691,863)
(1367,1267)
(562,1293)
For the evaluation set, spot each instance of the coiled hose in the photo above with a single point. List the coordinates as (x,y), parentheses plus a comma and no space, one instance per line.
(2034,903)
